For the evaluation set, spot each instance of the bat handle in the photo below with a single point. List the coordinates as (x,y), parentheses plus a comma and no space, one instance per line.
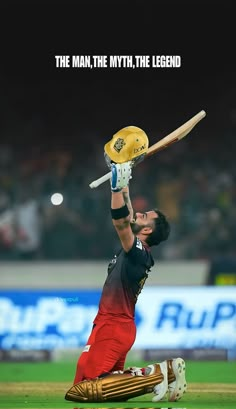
(101,180)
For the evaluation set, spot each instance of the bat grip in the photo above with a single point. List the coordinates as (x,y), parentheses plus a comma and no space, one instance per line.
(101,180)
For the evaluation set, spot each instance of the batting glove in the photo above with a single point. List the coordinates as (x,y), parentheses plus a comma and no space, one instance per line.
(120,175)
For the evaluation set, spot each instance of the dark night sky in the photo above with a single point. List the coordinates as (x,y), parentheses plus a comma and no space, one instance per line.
(201,32)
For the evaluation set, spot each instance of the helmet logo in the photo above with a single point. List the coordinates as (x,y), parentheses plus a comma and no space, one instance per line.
(140,148)
(119,144)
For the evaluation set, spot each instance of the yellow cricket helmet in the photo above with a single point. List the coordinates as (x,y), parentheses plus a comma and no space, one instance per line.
(127,144)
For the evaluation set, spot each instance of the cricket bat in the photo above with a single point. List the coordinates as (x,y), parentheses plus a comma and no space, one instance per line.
(168,140)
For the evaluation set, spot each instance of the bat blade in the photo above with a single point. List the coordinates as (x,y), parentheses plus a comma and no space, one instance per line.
(176,135)
(168,140)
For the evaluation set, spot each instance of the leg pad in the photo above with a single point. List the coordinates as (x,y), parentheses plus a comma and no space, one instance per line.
(116,387)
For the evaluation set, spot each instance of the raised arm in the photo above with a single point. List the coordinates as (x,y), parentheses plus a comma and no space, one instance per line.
(121,208)
(127,201)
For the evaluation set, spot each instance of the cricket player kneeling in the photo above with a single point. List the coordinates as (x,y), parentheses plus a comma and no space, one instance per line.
(120,387)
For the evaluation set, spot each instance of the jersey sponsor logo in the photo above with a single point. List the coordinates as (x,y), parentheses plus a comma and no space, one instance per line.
(111,265)
(139,244)
(86,348)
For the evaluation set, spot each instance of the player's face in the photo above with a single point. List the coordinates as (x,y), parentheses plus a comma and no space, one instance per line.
(142,220)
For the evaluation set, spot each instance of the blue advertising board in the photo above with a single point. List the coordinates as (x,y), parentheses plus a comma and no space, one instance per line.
(46,319)
(166,317)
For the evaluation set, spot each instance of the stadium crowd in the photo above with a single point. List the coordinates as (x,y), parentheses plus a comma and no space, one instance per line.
(194,187)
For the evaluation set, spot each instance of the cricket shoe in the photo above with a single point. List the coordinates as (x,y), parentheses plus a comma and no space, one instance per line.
(160,389)
(178,386)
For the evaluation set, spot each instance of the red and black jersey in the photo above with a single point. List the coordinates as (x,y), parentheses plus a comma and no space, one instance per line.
(127,273)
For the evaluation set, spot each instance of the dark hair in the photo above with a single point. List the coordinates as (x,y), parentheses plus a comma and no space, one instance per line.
(161,231)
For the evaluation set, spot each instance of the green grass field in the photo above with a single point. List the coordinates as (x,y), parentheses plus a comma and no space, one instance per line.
(43,385)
